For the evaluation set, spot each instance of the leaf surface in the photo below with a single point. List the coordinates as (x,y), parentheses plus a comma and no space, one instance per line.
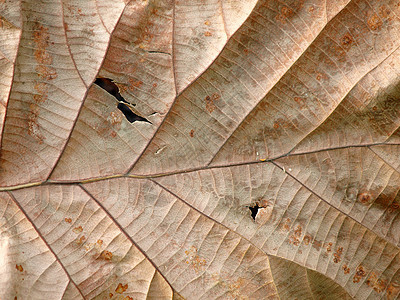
(268,167)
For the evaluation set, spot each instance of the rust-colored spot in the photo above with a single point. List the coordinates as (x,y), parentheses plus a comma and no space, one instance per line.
(210,106)
(121,288)
(346,41)
(110,295)
(77,229)
(376,283)
(154,84)
(286,224)
(374,108)
(374,22)
(311,9)
(19,268)
(246,51)
(195,260)
(128,298)
(68,220)
(360,273)
(107,255)
(276,125)
(307,239)
(100,242)
(392,291)
(207,33)
(300,101)
(191,133)
(207,23)
(329,247)
(295,237)
(364,198)
(337,255)
(394,206)
(33,126)
(346,269)
(81,240)
(134,84)
(285,13)
(317,244)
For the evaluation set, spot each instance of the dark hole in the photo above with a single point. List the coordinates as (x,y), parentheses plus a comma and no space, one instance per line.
(130,115)
(109,86)
(254,210)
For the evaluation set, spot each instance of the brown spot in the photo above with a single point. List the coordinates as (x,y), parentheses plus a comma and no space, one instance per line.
(306,239)
(286,224)
(68,220)
(81,240)
(134,84)
(19,268)
(374,22)
(195,260)
(377,284)
(110,295)
(128,298)
(77,229)
(364,198)
(121,288)
(317,244)
(100,242)
(392,290)
(276,125)
(246,51)
(210,106)
(311,9)
(285,13)
(207,23)
(107,255)
(299,101)
(374,108)
(360,273)
(394,206)
(337,255)
(154,84)
(346,269)
(295,237)
(191,133)
(207,33)
(346,41)
(329,247)
(33,126)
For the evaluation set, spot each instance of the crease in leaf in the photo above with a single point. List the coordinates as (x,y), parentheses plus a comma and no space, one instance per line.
(109,86)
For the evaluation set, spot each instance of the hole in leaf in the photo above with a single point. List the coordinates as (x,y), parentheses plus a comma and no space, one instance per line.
(254,210)
(130,115)
(109,86)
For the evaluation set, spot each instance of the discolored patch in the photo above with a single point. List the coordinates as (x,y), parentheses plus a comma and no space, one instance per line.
(191,133)
(19,268)
(346,41)
(68,220)
(77,229)
(360,273)
(374,22)
(195,260)
(210,106)
(107,255)
(346,269)
(337,255)
(121,288)
(365,198)
(376,283)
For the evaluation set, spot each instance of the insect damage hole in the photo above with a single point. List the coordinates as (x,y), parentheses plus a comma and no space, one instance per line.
(124,106)
(254,210)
